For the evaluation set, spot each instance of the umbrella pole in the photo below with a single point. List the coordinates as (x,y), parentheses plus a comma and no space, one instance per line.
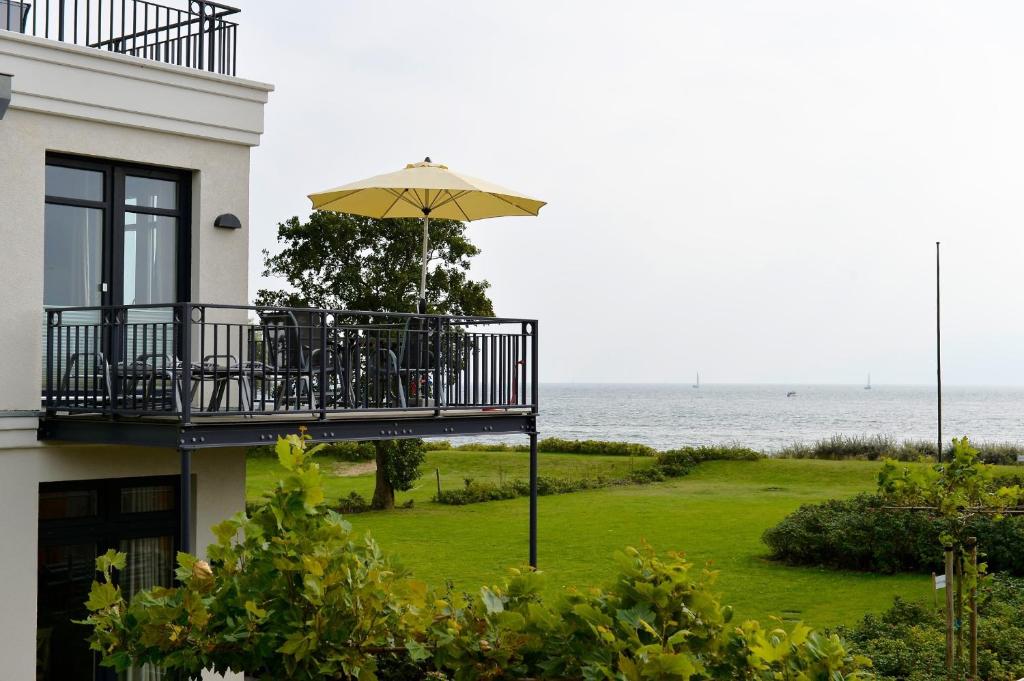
(423,263)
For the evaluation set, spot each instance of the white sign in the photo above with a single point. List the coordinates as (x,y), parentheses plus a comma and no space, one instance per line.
(1020,458)
(940,581)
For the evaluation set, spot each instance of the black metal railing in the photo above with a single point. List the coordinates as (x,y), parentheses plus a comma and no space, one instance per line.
(191,360)
(200,36)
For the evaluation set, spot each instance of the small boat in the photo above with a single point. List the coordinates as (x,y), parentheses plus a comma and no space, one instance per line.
(791,393)
(697,384)
(868,386)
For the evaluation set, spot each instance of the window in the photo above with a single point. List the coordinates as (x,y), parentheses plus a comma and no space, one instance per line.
(77,522)
(115,234)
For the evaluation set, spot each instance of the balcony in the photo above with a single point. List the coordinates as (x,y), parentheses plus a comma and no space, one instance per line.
(201,36)
(192,376)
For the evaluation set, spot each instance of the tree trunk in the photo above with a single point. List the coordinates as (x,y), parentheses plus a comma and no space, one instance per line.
(383,492)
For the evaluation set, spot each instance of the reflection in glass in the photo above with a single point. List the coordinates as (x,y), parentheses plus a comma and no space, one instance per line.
(150,193)
(150,562)
(147,499)
(74,183)
(65,576)
(79,503)
(73,241)
(150,258)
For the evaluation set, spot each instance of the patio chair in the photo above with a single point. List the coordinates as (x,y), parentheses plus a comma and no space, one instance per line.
(292,359)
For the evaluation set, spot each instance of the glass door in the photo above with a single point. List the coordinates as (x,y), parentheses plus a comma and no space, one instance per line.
(114,234)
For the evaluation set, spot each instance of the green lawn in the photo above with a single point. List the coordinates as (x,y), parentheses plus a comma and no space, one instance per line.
(715,514)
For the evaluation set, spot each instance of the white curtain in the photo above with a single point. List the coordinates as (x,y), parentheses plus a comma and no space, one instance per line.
(149,563)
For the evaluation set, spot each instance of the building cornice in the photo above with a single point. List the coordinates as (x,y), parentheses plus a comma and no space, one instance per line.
(91,84)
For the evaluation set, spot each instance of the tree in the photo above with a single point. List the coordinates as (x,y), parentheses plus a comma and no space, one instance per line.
(955,492)
(340,261)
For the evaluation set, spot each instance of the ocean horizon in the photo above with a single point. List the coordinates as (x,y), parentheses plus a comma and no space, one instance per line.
(764,416)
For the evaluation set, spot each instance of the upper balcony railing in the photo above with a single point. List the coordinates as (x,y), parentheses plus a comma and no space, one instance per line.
(200,37)
(190,361)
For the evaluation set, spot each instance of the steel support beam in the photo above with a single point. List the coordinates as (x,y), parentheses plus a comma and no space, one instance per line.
(185,502)
(533,499)
(251,432)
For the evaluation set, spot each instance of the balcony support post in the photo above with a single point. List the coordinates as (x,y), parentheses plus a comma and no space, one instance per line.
(185,502)
(533,499)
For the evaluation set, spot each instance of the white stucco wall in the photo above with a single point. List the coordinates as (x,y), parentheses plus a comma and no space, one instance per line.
(87,102)
(219,476)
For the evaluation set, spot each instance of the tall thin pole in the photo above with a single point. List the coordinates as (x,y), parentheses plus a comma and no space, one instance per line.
(423,262)
(533,500)
(938,348)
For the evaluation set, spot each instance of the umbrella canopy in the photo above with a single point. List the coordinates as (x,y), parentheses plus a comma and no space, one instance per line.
(425,190)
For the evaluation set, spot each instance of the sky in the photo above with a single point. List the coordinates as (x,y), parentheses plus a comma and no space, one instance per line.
(752,190)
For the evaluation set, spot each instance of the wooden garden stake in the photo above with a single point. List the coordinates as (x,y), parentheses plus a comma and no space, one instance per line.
(949,611)
(972,546)
(959,567)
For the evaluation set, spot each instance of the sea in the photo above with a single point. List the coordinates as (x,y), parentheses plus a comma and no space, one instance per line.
(770,417)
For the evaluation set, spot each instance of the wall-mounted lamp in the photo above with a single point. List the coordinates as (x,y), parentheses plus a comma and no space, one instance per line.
(228,221)
(5,93)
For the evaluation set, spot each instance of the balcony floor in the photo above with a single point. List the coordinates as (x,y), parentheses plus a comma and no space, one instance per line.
(226,430)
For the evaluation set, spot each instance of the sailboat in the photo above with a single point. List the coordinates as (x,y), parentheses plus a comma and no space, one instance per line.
(868,386)
(697,384)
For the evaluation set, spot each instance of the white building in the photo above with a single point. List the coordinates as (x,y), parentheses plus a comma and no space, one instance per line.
(124,197)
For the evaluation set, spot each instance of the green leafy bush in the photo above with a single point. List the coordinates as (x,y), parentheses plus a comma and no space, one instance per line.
(878,447)
(871,448)
(551,445)
(353,503)
(291,594)
(907,642)
(867,533)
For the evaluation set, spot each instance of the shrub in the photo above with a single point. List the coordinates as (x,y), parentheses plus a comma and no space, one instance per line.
(907,642)
(291,594)
(871,448)
(353,503)
(865,533)
(551,445)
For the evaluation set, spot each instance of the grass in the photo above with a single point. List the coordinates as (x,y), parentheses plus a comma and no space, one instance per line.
(715,514)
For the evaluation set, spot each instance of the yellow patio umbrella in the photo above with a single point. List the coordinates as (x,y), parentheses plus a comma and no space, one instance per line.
(425,190)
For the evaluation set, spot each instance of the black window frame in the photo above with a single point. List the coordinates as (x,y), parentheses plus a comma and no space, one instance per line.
(110,526)
(114,209)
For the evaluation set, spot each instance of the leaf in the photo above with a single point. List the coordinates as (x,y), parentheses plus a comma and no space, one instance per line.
(283,449)
(102,596)
(492,601)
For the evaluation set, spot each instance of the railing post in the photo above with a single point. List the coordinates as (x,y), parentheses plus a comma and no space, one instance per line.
(60,22)
(186,362)
(116,318)
(534,373)
(323,366)
(200,52)
(50,315)
(437,366)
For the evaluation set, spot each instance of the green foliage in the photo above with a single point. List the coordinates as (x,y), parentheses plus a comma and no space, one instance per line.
(342,451)
(878,447)
(356,263)
(856,534)
(869,448)
(401,461)
(907,642)
(290,594)
(675,463)
(551,445)
(353,503)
